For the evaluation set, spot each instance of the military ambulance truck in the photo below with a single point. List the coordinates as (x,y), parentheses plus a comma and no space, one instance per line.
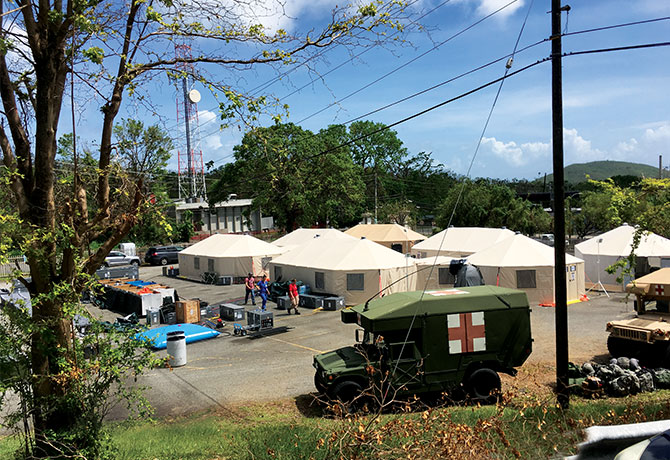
(647,335)
(430,342)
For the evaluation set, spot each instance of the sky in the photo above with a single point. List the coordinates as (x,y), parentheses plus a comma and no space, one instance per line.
(615,104)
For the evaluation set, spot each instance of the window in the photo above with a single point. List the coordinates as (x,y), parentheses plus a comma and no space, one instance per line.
(355,282)
(278,274)
(210,265)
(400,351)
(525,279)
(319,281)
(265,261)
(445,276)
(196,263)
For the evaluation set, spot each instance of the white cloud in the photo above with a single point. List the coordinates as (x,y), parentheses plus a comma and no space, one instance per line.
(651,143)
(486,7)
(514,154)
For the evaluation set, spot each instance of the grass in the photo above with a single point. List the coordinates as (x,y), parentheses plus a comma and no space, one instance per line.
(523,427)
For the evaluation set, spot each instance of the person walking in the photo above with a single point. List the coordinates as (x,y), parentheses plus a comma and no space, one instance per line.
(293,295)
(263,291)
(249,282)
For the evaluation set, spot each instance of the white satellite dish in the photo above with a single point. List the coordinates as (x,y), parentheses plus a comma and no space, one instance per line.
(194,96)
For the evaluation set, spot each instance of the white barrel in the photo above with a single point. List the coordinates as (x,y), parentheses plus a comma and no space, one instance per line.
(176,348)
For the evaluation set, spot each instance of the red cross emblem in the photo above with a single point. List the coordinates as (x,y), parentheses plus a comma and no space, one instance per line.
(659,289)
(467,332)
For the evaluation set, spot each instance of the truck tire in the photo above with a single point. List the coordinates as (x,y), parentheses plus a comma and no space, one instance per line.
(163,261)
(483,386)
(319,386)
(619,347)
(347,390)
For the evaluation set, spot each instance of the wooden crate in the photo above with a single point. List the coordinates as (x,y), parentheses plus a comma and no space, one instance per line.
(188,311)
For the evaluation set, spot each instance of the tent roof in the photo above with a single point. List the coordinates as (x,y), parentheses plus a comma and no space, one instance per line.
(464,239)
(384,233)
(518,251)
(618,242)
(228,245)
(304,235)
(343,254)
(437,260)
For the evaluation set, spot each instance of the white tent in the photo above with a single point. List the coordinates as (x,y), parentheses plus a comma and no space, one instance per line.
(520,262)
(392,236)
(227,254)
(305,235)
(603,250)
(356,269)
(433,273)
(460,241)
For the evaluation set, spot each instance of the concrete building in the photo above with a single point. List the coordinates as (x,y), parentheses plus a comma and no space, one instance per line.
(230,216)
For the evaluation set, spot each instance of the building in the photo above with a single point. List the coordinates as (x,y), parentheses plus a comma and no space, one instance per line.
(230,216)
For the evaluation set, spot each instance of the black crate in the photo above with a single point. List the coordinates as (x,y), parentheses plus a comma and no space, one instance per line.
(232,312)
(224,280)
(333,303)
(170,318)
(260,318)
(311,301)
(283,302)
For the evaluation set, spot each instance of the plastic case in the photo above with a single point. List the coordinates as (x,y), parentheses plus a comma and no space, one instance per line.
(311,301)
(224,280)
(232,312)
(333,303)
(283,302)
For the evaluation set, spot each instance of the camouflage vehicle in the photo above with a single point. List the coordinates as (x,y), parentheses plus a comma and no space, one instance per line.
(646,336)
(431,342)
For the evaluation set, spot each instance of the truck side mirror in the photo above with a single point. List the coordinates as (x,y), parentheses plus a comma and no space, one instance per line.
(359,339)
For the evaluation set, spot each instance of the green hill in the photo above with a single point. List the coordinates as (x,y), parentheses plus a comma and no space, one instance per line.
(599,170)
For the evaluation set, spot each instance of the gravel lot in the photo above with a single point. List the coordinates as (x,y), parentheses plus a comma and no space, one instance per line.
(231,370)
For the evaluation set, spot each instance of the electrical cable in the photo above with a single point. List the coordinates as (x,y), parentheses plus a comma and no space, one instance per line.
(462,31)
(467,175)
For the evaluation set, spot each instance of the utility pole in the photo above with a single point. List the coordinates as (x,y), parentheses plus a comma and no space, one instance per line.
(560,294)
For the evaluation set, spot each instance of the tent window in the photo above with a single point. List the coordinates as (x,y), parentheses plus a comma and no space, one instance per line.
(445,276)
(278,274)
(397,247)
(525,279)
(265,261)
(196,263)
(355,282)
(210,265)
(319,281)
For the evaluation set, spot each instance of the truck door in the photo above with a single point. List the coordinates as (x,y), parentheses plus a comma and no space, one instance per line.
(405,365)
(439,365)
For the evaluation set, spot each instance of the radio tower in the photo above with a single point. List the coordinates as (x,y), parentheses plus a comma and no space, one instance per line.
(191,170)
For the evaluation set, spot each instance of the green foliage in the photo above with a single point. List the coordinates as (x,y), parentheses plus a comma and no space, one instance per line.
(142,151)
(184,230)
(600,170)
(294,175)
(485,203)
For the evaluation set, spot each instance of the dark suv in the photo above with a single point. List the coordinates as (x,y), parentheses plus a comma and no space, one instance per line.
(163,255)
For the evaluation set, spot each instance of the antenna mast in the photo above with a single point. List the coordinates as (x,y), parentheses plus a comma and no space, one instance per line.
(191,170)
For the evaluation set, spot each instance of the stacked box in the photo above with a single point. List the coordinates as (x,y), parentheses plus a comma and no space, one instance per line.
(153,317)
(283,302)
(188,311)
(260,319)
(232,311)
(333,303)
(224,280)
(311,301)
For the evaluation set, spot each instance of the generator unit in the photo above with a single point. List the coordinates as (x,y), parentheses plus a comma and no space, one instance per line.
(261,319)
(333,303)
(231,311)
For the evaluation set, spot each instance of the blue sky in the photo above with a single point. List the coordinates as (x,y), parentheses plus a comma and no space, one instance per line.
(615,104)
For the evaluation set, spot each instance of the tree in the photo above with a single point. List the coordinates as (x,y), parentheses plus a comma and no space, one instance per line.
(299,177)
(113,49)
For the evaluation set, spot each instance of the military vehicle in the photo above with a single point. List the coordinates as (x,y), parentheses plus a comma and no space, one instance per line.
(647,336)
(430,342)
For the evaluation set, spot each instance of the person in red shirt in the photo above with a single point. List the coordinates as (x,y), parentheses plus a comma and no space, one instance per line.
(293,295)
(249,289)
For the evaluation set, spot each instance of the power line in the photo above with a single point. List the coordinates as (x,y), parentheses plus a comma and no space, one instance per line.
(462,31)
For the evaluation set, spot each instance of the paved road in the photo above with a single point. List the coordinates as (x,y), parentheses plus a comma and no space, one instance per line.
(232,370)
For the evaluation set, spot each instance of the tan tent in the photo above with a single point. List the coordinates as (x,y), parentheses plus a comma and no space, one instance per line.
(354,269)
(460,241)
(603,250)
(305,235)
(433,273)
(520,262)
(228,254)
(392,236)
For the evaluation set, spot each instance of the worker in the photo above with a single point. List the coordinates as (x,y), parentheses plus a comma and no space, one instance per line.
(293,295)
(249,289)
(263,291)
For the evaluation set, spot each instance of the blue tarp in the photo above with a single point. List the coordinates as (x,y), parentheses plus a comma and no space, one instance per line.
(193,333)
(140,283)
